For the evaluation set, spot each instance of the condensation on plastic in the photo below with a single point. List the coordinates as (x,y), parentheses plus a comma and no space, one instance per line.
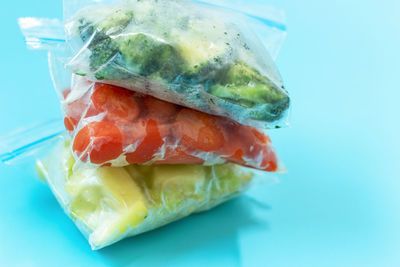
(221,41)
(267,22)
(109,204)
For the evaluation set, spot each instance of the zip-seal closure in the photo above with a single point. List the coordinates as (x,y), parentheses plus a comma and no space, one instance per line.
(49,34)
(269,22)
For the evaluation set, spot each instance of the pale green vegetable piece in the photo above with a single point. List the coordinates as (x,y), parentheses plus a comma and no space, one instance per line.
(109,204)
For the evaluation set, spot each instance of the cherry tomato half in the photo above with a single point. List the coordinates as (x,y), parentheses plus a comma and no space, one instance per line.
(150,145)
(179,156)
(76,110)
(249,147)
(199,130)
(119,105)
(270,162)
(160,109)
(101,141)
(70,123)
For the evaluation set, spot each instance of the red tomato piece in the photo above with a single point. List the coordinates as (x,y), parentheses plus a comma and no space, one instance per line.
(66,92)
(98,141)
(70,123)
(270,162)
(149,146)
(78,109)
(199,130)
(179,156)
(120,105)
(160,109)
(249,147)
(262,138)
(237,156)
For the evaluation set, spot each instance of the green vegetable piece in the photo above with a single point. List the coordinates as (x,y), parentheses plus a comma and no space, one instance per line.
(147,56)
(173,185)
(244,85)
(116,22)
(112,24)
(103,55)
(109,203)
(184,61)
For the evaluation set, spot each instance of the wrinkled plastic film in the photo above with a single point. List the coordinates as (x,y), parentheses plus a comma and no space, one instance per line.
(117,127)
(257,74)
(175,140)
(109,204)
(43,33)
(266,21)
(29,141)
(112,203)
(206,57)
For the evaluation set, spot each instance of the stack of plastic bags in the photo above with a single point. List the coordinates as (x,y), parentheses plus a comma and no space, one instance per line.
(164,103)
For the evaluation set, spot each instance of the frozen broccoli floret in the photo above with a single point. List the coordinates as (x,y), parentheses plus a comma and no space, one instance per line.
(115,58)
(203,73)
(147,56)
(116,22)
(103,58)
(244,85)
(112,24)
(86,29)
(184,60)
(104,50)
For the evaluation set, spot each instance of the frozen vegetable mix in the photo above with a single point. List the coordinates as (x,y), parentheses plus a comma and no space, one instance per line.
(111,203)
(191,54)
(117,127)
(165,105)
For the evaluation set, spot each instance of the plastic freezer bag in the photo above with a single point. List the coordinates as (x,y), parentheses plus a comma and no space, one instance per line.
(196,55)
(109,204)
(112,126)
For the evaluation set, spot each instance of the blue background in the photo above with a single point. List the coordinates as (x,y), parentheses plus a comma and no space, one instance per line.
(338,206)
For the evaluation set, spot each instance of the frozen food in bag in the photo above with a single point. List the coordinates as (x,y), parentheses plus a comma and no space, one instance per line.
(108,204)
(193,54)
(112,126)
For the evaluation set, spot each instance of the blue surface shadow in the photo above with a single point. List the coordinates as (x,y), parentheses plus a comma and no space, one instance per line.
(215,228)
